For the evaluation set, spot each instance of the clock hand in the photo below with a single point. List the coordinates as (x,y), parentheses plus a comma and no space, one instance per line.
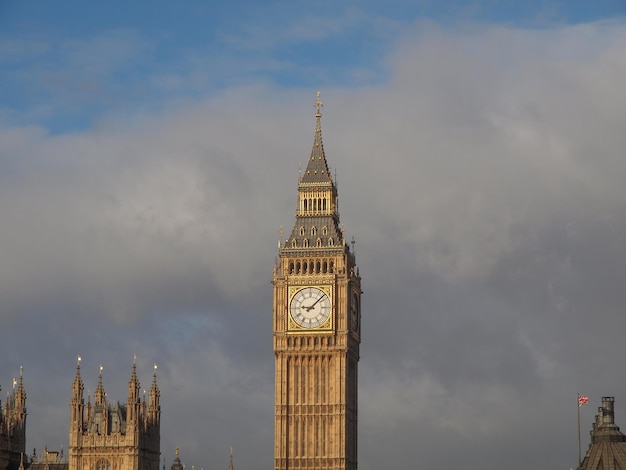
(310,307)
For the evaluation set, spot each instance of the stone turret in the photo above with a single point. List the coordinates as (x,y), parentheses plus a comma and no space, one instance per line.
(176,465)
(77,407)
(13,425)
(607,448)
(153,416)
(110,434)
(230,462)
(133,401)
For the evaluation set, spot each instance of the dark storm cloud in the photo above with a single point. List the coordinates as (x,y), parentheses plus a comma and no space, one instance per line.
(483,184)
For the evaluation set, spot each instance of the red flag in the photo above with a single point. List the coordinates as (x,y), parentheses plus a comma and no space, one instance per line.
(582,400)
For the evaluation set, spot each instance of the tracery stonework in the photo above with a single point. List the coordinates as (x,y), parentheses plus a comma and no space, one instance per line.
(107,436)
(316,325)
(13,425)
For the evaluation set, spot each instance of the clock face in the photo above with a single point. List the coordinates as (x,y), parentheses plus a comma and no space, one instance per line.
(354,311)
(310,307)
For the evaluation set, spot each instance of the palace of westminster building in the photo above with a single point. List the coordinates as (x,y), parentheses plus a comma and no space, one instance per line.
(316,330)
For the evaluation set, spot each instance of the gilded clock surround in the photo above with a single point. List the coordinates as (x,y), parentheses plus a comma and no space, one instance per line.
(326,325)
(316,388)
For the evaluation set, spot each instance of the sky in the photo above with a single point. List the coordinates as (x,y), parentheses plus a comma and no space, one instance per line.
(149,156)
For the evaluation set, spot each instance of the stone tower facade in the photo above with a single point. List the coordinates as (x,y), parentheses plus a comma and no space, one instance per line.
(316,326)
(607,448)
(114,436)
(13,426)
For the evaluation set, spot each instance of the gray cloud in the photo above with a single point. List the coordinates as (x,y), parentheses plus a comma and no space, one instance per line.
(483,184)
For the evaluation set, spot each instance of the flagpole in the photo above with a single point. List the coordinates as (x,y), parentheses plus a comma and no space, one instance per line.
(578,406)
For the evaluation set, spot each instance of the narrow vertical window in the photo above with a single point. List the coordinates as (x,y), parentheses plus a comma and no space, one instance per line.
(304,383)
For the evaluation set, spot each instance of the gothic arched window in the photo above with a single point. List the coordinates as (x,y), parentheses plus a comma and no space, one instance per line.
(103,465)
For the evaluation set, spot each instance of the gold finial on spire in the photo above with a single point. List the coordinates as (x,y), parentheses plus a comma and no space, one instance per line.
(101,370)
(135,359)
(79,359)
(318,106)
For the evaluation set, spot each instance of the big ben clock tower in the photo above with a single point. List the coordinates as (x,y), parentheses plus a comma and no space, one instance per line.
(317,325)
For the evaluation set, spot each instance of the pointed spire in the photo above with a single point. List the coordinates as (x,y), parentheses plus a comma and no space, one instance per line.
(133,384)
(20,394)
(154,408)
(317,167)
(77,386)
(134,400)
(99,395)
(317,214)
(154,390)
(230,464)
(77,379)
